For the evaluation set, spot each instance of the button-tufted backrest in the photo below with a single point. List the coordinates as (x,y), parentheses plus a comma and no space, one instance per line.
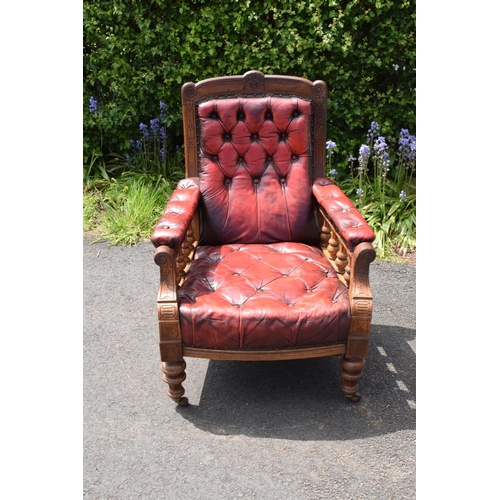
(255,170)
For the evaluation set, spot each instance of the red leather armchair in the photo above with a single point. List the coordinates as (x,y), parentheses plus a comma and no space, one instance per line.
(261,257)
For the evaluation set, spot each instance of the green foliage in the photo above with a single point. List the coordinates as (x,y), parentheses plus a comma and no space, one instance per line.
(382,184)
(125,209)
(139,53)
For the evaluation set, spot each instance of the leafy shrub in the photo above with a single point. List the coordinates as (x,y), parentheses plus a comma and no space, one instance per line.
(137,53)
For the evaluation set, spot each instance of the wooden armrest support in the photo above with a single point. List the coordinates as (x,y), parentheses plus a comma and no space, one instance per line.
(351,261)
(345,218)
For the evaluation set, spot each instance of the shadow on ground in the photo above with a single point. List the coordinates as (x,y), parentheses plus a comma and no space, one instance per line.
(302,399)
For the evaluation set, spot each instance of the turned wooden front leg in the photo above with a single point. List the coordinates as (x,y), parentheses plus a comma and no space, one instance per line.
(352,371)
(174,374)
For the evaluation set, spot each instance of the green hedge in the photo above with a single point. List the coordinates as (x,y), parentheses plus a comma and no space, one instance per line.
(138,53)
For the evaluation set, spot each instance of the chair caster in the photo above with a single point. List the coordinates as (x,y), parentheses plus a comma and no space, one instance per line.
(182,401)
(354,398)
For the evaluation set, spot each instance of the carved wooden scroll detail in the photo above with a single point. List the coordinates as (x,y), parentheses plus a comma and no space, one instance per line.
(168,285)
(167,306)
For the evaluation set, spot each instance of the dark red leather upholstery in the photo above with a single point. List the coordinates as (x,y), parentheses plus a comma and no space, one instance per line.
(258,279)
(172,226)
(348,221)
(255,179)
(258,296)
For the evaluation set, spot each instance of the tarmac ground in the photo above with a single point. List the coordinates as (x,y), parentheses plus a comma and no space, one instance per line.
(264,430)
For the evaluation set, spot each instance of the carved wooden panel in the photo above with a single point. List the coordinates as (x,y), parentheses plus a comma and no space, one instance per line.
(357,347)
(254,82)
(171,350)
(167,311)
(168,284)
(169,330)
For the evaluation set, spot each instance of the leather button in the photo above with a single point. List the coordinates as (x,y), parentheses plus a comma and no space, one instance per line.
(256,181)
(227,181)
(282,180)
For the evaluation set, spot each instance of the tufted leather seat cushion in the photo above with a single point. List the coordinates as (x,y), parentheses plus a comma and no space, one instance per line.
(262,296)
(255,178)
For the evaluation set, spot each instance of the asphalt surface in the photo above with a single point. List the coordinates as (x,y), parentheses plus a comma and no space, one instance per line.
(267,430)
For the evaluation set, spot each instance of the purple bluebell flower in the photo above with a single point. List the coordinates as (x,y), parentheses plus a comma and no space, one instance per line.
(155,126)
(364,155)
(385,162)
(350,161)
(359,192)
(407,147)
(329,148)
(163,110)
(380,146)
(93,104)
(135,144)
(333,172)
(373,131)
(381,155)
(402,195)
(144,130)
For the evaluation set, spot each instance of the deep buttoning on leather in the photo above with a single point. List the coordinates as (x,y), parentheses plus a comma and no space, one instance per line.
(241,116)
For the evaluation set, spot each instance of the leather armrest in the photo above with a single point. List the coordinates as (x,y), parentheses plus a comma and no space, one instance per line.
(349,223)
(171,228)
